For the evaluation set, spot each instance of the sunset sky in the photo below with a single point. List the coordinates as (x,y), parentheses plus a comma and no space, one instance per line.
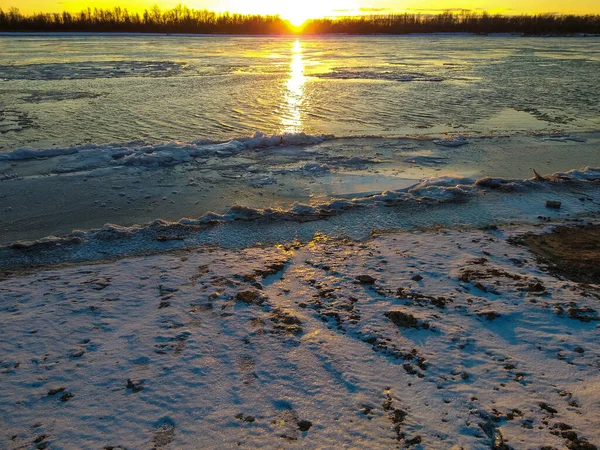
(298,11)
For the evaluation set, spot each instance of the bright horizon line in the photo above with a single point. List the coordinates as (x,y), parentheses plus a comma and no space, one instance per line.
(360,12)
(299,12)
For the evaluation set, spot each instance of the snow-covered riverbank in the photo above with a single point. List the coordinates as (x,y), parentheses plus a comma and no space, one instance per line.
(440,338)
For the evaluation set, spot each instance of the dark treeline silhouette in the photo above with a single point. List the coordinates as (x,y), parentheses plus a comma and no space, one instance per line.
(185,20)
(177,20)
(461,22)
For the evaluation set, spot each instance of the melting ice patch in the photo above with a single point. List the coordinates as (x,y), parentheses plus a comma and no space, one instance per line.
(331,162)
(58,96)
(90,70)
(426,160)
(384,76)
(14,121)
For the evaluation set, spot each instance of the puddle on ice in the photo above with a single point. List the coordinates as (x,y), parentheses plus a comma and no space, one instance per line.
(351,185)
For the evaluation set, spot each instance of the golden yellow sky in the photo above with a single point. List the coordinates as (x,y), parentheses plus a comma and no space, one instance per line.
(299,10)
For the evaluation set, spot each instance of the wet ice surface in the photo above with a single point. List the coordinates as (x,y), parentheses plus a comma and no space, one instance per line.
(106,89)
(13,121)
(430,339)
(89,70)
(383,75)
(58,96)
(440,201)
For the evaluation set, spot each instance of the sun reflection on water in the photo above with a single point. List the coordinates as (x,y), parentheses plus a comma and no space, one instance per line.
(291,119)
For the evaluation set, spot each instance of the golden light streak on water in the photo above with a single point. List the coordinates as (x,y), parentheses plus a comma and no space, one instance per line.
(291,118)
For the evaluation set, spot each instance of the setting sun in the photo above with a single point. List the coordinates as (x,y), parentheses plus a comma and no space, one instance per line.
(296,13)
(297,17)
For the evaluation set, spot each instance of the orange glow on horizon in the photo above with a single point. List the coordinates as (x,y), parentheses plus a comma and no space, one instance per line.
(298,13)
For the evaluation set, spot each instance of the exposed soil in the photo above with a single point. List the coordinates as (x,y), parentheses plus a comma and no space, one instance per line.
(569,252)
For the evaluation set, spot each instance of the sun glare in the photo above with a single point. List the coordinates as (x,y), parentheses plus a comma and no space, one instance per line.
(297,18)
(297,13)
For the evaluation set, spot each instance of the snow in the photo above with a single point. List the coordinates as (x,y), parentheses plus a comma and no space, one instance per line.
(443,200)
(137,153)
(160,351)
(587,174)
(451,142)
(564,137)
(29,153)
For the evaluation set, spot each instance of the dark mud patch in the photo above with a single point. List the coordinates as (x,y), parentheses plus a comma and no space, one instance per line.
(164,432)
(406,320)
(285,323)
(568,252)
(250,297)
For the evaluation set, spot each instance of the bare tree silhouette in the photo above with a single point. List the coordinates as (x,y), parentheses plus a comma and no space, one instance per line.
(182,19)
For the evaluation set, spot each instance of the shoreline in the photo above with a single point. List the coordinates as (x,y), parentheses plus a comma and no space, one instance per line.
(445,201)
(128,184)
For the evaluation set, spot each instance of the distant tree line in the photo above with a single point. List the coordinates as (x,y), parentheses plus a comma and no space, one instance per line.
(460,22)
(182,19)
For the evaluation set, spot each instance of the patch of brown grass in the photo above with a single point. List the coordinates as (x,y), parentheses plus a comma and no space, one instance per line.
(571,252)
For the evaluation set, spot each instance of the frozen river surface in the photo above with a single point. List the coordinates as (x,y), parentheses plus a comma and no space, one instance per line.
(125,129)
(67,90)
